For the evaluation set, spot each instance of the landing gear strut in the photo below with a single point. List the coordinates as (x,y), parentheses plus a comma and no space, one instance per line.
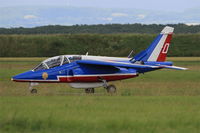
(110,88)
(32,90)
(89,90)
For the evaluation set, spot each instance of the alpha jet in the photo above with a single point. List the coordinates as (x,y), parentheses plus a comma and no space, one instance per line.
(89,72)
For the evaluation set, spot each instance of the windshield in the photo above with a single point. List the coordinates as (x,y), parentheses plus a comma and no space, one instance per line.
(50,63)
(41,66)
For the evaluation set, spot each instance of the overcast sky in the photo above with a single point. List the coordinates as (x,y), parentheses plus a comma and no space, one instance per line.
(164,5)
(31,13)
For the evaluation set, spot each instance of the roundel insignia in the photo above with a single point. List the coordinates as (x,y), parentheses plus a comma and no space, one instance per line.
(45,75)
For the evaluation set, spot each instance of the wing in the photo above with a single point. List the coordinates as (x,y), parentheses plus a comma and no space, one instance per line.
(115,64)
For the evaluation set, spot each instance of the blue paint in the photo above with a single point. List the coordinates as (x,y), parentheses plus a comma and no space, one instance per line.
(144,55)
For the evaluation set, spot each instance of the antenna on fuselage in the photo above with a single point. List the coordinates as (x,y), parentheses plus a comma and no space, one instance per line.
(130,54)
(86,54)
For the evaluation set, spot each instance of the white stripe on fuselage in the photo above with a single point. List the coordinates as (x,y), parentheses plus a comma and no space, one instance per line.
(103,58)
(99,75)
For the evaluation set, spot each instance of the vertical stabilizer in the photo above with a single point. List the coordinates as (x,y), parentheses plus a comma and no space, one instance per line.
(158,49)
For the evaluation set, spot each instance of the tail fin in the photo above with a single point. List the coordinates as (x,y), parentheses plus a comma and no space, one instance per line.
(158,49)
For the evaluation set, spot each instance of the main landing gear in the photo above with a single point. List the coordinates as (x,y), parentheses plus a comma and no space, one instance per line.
(109,88)
(32,90)
(89,90)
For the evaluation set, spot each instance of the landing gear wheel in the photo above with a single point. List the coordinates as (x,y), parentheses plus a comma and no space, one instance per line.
(33,91)
(89,90)
(111,89)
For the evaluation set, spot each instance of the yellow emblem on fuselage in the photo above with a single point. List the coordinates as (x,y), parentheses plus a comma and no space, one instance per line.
(45,75)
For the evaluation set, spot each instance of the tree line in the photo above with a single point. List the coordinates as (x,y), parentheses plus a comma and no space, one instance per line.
(95,44)
(101,29)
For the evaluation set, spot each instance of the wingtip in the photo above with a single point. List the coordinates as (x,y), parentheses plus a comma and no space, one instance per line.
(185,68)
(180,68)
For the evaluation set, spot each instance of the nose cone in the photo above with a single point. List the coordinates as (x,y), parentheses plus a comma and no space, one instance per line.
(22,77)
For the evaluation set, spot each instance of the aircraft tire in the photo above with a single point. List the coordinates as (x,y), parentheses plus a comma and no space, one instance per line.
(89,90)
(111,89)
(33,91)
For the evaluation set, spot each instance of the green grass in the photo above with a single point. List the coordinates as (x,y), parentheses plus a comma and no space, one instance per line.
(166,101)
(101,114)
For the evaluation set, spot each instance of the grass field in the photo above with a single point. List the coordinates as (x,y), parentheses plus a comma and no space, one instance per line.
(162,101)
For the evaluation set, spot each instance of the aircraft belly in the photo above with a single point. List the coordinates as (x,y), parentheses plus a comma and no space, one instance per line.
(86,85)
(93,81)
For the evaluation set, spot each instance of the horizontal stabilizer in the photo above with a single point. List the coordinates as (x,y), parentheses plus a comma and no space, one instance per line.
(174,67)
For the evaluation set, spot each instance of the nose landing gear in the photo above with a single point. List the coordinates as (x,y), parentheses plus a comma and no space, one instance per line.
(32,90)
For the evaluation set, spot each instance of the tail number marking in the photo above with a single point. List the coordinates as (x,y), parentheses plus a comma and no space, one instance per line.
(165,49)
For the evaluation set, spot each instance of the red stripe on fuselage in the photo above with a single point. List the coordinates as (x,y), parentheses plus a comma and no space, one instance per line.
(82,79)
(95,78)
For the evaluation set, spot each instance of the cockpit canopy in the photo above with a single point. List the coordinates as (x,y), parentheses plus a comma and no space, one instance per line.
(57,61)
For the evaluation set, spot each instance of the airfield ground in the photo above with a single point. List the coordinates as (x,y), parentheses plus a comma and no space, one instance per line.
(166,101)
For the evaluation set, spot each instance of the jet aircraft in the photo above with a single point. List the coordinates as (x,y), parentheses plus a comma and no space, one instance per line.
(89,72)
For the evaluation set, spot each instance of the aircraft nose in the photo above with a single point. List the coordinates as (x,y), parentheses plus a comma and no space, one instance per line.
(22,76)
(16,77)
